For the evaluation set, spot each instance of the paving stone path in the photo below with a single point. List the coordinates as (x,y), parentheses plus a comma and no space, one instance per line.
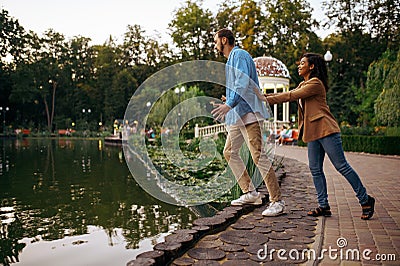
(254,239)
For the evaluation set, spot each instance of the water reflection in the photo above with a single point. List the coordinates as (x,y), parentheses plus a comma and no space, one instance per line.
(58,189)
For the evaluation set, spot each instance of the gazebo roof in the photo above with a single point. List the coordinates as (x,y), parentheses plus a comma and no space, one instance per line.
(268,66)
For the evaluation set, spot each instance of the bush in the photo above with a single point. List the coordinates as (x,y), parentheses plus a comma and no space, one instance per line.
(366,131)
(372,144)
(393,131)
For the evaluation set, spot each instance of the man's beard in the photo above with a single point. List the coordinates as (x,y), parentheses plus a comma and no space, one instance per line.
(221,52)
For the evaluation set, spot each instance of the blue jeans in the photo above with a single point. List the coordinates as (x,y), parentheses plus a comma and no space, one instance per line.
(332,145)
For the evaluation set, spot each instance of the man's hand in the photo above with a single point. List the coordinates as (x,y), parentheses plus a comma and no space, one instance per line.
(220,111)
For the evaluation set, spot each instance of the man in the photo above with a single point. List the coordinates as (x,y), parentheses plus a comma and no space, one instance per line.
(244,112)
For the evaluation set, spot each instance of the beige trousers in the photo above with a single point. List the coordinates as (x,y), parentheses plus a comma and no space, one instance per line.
(251,134)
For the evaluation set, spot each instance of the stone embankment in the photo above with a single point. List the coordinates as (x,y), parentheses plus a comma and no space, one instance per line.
(242,236)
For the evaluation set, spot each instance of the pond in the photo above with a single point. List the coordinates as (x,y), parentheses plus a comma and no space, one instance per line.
(75,202)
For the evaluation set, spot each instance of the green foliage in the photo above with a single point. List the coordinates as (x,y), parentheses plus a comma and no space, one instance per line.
(226,16)
(372,144)
(191,30)
(289,33)
(352,52)
(393,131)
(169,100)
(387,105)
(250,28)
(377,76)
(365,131)
(12,37)
(364,33)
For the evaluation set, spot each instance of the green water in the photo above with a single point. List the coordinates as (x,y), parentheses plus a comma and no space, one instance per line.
(74,202)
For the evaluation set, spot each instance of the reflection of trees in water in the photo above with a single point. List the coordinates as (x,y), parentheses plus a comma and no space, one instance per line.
(10,233)
(136,222)
(55,197)
(148,221)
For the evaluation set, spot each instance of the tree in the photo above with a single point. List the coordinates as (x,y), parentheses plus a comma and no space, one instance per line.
(355,46)
(376,76)
(287,22)
(289,32)
(12,44)
(347,15)
(384,18)
(134,46)
(12,38)
(226,16)
(387,104)
(380,18)
(250,29)
(80,89)
(53,59)
(352,52)
(191,31)
(42,75)
(107,65)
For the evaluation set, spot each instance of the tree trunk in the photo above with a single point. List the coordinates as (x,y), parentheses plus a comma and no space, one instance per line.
(53,101)
(47,114)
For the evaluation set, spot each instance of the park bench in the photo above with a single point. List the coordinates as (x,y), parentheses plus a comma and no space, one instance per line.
(293,140)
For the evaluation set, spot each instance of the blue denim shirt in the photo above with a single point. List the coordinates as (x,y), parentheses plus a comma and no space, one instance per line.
(242,87)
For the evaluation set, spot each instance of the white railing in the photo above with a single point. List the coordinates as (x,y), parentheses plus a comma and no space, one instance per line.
(208,131)
(213,130)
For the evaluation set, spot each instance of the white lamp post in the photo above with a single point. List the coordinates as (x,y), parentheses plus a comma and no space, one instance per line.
(178,91)
(328,56)
(88,111)
(4,117)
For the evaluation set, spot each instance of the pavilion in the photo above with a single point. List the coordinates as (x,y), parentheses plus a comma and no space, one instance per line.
(274,77)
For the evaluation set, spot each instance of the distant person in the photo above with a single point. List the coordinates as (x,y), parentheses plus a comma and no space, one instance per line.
(244,113)
(286,133)
(318,127)
(272,136)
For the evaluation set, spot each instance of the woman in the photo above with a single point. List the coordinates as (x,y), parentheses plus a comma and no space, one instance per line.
(318,127)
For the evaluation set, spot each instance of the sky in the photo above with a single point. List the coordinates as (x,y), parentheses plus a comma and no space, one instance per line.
(98,19)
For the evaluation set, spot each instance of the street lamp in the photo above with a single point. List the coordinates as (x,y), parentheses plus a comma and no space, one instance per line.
(148,105)
(88,111)
(178,91)
(328,56)
(4,118)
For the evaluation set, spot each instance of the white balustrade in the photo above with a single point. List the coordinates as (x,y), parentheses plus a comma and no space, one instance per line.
(213,130)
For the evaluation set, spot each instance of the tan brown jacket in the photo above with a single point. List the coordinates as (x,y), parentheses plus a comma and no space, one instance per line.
(315,119)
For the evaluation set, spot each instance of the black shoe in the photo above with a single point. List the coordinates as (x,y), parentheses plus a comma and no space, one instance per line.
(368,208)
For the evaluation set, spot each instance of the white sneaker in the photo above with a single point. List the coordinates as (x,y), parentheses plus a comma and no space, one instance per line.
(274,208)
(247,199)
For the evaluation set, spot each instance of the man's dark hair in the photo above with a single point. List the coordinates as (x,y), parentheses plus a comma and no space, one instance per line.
(227,34)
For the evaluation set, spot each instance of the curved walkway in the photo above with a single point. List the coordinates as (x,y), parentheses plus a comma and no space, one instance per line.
(376,241)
